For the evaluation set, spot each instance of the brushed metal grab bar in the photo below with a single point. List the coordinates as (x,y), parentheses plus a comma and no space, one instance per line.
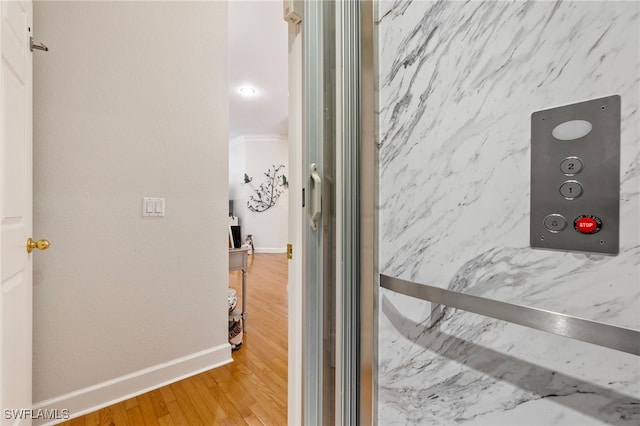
(610,336)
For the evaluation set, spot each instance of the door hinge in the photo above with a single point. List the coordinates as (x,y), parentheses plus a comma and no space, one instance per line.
(289,251)
(37,46)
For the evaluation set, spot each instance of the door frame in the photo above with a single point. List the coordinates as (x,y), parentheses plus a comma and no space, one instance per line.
(356,275)
(295,222)
(356,195)
(369,268)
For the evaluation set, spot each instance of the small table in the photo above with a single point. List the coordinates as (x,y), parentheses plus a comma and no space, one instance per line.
(239,261)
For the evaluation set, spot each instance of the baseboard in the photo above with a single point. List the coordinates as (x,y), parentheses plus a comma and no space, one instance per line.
(112,391)
(270,250)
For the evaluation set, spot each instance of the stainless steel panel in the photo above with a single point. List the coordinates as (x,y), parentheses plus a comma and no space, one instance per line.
(598,176)
(368,218)
(610,336)
(317,393)
(349,143)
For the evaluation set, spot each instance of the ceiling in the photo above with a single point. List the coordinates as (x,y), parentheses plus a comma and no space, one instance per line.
(258,39)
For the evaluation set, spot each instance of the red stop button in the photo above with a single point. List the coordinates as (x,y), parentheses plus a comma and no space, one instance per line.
(587,224)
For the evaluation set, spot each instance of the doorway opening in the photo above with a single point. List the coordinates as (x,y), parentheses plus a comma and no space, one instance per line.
(259,176)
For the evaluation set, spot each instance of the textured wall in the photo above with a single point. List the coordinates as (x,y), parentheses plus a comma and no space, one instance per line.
(130,101)
(457,84)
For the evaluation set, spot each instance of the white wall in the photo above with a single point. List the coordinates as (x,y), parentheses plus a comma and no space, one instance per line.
(130,101)
(237,167)
(254,155)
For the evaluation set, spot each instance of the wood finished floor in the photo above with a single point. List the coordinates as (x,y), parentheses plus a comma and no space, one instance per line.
(252,390)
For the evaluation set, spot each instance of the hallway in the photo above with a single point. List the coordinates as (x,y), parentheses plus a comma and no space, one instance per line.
(250,391)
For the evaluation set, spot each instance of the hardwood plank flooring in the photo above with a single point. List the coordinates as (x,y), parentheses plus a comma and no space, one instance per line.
(252,390)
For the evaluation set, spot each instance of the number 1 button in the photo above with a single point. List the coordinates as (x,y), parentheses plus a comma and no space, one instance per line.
(571,189)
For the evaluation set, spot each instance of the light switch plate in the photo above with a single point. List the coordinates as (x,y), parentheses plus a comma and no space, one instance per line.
(152,206)
(575,180)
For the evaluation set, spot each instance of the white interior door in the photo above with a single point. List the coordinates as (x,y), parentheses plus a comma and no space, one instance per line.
(15,209)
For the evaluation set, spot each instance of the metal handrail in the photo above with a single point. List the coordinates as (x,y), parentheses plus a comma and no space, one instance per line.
(601,334)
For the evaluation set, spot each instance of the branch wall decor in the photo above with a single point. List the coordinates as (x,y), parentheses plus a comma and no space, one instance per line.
(267,194)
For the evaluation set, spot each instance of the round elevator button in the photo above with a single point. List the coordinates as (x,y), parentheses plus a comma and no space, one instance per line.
(587,224)
(554,223)
(571,189)
(571,166)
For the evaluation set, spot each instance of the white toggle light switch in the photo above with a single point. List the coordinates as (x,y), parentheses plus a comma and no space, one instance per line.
(152,206)
(159,206)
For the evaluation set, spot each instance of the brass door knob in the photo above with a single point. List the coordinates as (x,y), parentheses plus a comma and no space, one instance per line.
(40,245)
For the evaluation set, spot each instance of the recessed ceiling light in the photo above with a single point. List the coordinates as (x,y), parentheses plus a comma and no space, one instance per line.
(247,91)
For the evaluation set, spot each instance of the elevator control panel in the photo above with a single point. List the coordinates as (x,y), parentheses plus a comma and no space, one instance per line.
(575,177)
